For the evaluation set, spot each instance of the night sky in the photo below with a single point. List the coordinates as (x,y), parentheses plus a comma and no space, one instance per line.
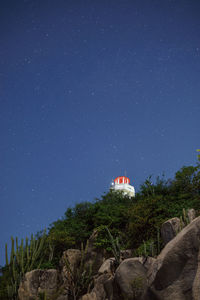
(91,90)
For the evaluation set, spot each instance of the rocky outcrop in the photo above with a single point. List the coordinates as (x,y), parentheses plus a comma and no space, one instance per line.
(127,282)
(99,283)
(90,296)
(175,273)
(99,291)
(37,282)
(107,266)
(191,214)
(130,278)
(72,258)
(94,256)
(170,229)
(55,284)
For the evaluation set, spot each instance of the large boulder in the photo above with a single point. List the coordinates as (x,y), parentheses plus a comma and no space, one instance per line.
(69,262)
(98,292)
(94,256)
(170,229)
(89,296)
(191,214)
(130,278)
(72,257)
(108,266)
(37,282)
(196,283)
(99,283)
(176,272)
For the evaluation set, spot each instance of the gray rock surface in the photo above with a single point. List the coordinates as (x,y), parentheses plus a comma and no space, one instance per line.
(196,283)
(99,289)
(191,214)
(89,296)
(98,292)
(107,266)
(94,256)
(36,282)
(130,278)
(73,256)
(169,229)
(175,273)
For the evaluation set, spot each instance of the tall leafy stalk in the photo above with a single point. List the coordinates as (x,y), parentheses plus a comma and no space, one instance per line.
(23,258)
(116,249)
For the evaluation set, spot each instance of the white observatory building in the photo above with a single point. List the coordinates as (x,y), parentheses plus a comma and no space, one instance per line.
(122,183)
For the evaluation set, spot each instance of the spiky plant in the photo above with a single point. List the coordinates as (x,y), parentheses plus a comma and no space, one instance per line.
(23,258)
(116,249)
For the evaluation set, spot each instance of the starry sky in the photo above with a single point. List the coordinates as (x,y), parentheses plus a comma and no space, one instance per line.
(91,90)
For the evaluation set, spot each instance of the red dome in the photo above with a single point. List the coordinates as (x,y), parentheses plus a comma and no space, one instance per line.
(121,180)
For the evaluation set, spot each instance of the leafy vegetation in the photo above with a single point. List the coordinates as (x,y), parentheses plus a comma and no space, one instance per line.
(135,221)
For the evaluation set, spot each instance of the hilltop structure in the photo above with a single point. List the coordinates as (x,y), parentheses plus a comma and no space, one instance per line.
(122,183)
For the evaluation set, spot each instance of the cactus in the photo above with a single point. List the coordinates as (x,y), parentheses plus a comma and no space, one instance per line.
(182,225)
(12,250)
(185,217)
(23,258)
(158,240)
(152,249)
(145,249)
(42,296)
(51,251)
(184,220)
(6,251)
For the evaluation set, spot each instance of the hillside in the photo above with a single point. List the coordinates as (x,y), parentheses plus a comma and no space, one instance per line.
(135,222)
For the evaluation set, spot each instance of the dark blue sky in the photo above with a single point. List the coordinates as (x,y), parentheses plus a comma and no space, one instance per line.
(88,90)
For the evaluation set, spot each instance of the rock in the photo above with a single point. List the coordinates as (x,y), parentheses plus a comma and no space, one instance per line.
(99,286)
(170,229)
(126,254)
(62,297)
(94,256)
(108,287)
(91,296)
(36,282)
(48,281)
(175,273)
(196,283)
(73,256)
(98,292)
(191,214)
(107,266)
(147,261)
(131,279)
